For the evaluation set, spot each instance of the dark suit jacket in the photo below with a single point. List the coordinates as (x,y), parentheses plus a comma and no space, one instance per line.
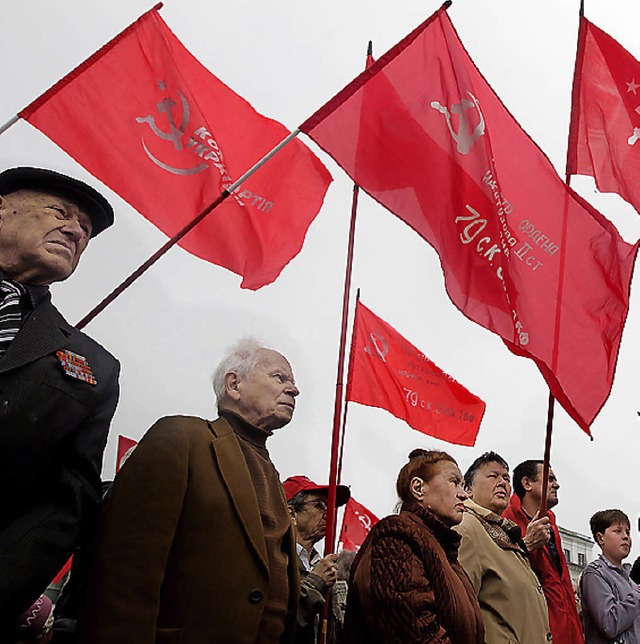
(53,430)
(181,555)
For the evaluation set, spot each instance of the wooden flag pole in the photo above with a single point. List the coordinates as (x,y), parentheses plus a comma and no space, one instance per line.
(329,540)
(337,436)
(546,465)
(547,456)
(335,462)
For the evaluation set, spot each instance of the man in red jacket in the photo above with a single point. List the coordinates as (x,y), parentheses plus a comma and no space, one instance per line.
(548,561)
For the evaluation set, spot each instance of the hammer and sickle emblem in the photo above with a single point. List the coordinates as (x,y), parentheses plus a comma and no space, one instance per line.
(380,346)
(465,137)
(165,106)
(366,521)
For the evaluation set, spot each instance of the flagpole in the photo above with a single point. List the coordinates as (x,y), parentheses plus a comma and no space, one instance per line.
(9,123)
(329,540)
(182,232)
(546,464)
(346,402)
(354,207)
(65,79)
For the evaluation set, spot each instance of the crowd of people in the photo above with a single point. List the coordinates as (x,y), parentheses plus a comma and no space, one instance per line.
(198,541)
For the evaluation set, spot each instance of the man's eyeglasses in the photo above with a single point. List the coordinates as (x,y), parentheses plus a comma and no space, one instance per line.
(321,504)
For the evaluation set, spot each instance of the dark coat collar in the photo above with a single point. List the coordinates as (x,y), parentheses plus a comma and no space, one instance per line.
(43,332)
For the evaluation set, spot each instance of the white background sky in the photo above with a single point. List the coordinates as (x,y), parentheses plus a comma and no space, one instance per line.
(169,329)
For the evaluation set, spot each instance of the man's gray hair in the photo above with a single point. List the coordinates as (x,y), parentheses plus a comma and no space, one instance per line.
(240,358)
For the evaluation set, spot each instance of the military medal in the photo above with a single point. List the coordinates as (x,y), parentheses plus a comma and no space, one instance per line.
(76,366)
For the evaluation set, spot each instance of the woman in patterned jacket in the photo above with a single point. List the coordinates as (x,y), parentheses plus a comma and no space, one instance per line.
(406,583)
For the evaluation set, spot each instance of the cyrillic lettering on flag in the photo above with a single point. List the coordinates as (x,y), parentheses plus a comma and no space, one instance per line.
(387,371)
(152,123)
(522,254)
(357,522)
(604,140)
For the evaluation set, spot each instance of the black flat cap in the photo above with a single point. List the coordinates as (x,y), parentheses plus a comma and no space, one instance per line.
(89,199)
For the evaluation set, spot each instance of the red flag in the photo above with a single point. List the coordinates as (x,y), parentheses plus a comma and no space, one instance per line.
(523,255)
(63,571)
(604,139)
(125,447)
(356,524)
(146,118)
(387,371)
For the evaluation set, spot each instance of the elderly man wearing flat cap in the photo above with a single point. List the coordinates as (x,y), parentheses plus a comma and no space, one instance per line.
(308,506)
(58,388)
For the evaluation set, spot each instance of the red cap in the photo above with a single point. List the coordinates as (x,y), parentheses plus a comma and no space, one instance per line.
(295,484)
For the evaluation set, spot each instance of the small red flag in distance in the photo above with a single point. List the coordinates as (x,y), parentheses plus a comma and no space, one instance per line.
(147,119)
(387,371)
(356,524)
(63,571)
(125,447)
(523,255)
(604,139)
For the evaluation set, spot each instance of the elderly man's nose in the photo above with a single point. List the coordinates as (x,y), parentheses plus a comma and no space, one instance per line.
(73,229)
(293,390)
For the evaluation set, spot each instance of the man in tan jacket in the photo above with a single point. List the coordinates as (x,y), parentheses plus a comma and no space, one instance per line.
(493,553)
(196,544)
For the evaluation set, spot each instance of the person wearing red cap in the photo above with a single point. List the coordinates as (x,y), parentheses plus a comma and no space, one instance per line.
(58,387)
(308,506)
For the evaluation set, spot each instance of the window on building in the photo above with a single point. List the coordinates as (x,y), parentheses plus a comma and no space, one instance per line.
(582,559)
(567,554)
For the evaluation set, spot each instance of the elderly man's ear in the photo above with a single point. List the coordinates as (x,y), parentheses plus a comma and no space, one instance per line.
(292,512)
(231,382)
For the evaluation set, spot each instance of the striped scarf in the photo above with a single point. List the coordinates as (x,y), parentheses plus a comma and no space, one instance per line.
(10,313)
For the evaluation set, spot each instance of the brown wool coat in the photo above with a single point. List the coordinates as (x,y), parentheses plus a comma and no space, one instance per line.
(407,586)
(181,556)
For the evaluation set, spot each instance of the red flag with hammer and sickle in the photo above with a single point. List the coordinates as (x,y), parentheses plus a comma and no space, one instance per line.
(387,371)
(148,120)
(356,524)
(604,140)
(522,254)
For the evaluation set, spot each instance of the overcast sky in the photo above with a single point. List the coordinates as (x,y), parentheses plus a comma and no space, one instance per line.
(287,58)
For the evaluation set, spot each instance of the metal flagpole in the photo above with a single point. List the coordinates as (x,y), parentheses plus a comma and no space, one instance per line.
(181,233)
(64,80)
(9,123)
